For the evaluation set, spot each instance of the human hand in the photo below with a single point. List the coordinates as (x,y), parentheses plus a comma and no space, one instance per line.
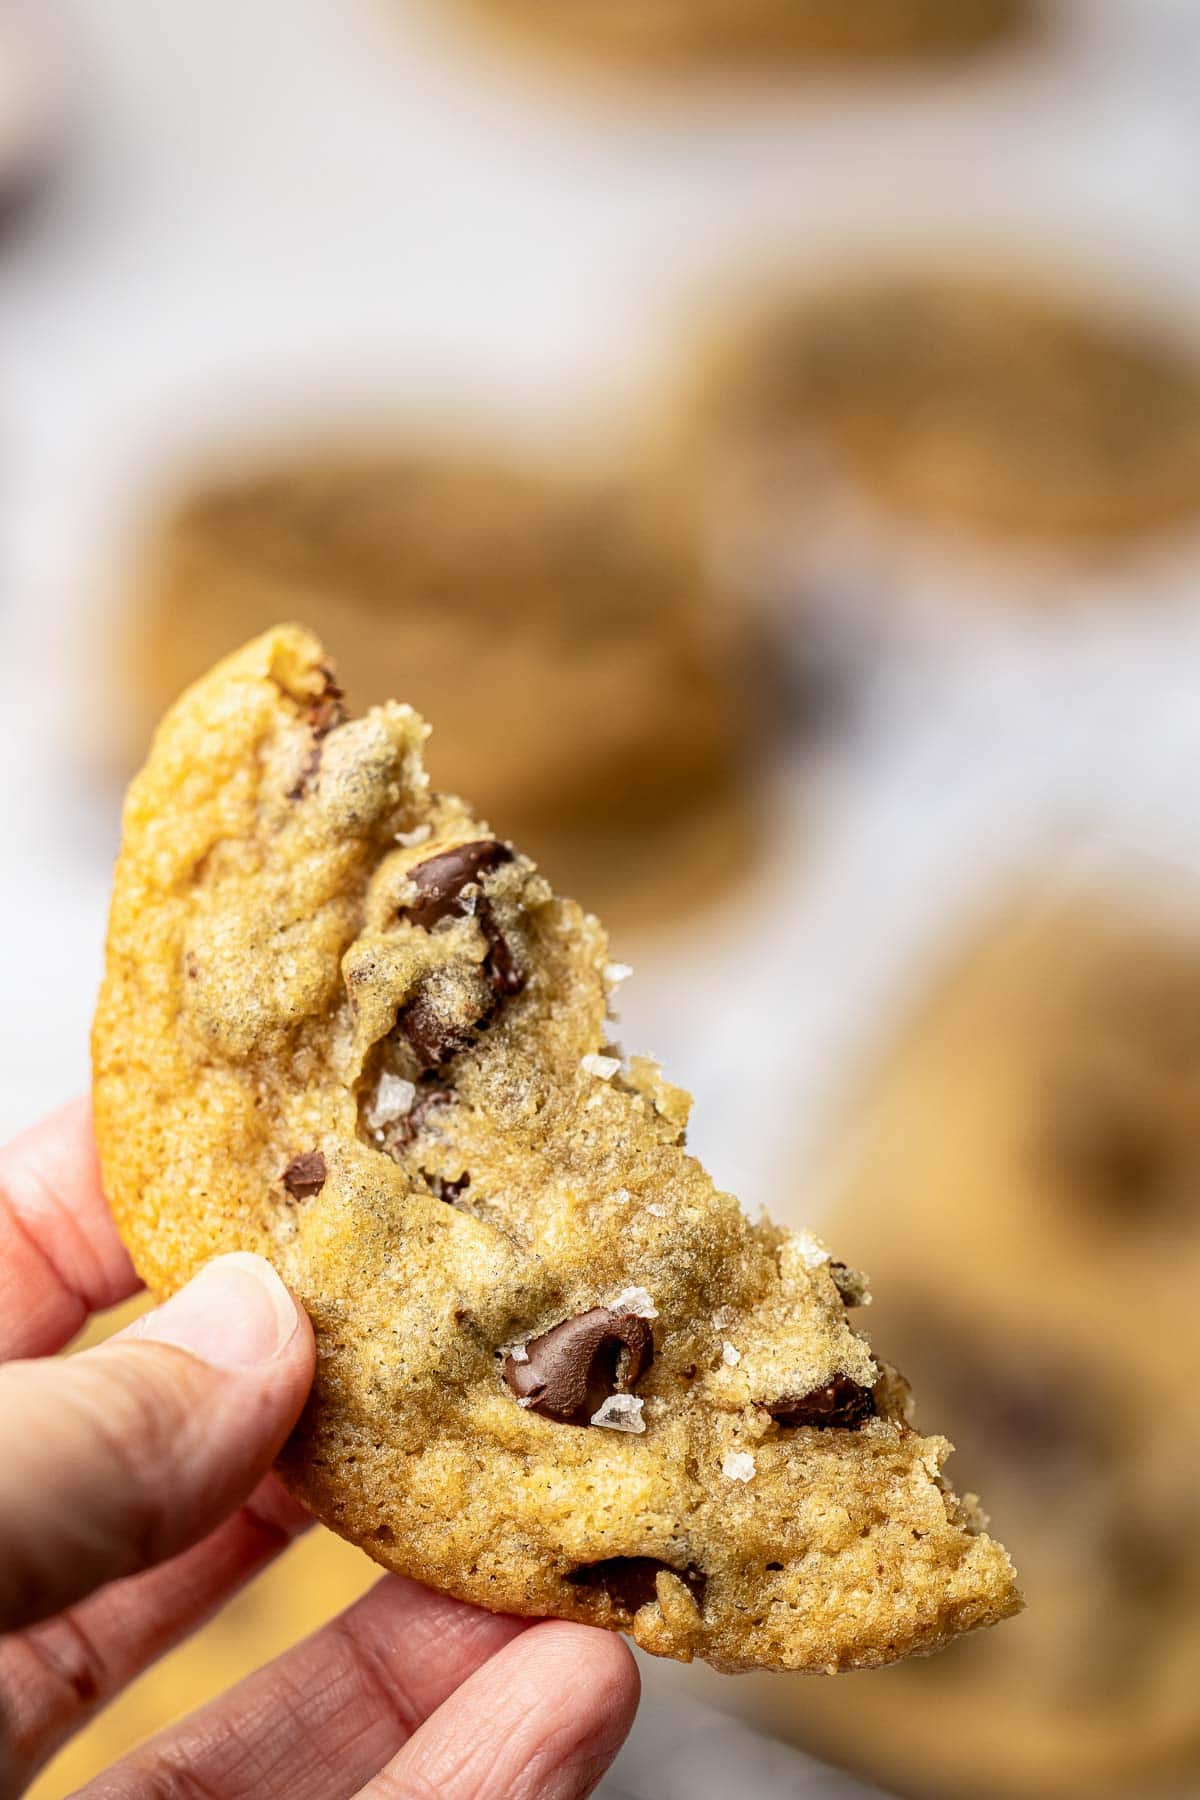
(135,1499)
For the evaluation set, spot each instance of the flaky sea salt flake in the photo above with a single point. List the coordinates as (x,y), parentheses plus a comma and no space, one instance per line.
(617,972)
(730,1357)
(603,1066)
(812,1250)
(394,1097)
(417,835)
(637,1301)
(620,1412)
(739,1465)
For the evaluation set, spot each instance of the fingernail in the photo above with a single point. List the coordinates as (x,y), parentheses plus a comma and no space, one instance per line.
(234,1314)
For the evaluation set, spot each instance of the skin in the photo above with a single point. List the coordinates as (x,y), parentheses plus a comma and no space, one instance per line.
(136,1498)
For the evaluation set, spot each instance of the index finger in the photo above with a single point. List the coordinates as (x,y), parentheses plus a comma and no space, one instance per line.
(60,1256)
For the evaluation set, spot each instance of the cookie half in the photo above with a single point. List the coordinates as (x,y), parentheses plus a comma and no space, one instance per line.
(343,1025)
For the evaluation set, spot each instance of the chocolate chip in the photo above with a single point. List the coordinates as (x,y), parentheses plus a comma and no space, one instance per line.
(572,1369)
(632,1581)
(308,774)
(305,1175)
(450,1191)
(506,977)
(327,709)
(438,1024)
(439,882)
(850,1283)
(842,1405)
(321,714)
(441,879)
(417,1116)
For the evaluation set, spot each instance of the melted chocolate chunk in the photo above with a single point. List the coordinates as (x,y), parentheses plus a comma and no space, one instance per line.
(505,976)
(305,1175)
(417,1116)
(631,1581)
(840,1406)
(574,1368)
(320,715)
(440,881)
(450,1191)
(434,1036)
(327,710)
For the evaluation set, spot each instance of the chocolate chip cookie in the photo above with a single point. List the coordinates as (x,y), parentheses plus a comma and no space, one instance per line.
(688,32)
(956,404)
(345,1025)
(1028,1180)
(564,621)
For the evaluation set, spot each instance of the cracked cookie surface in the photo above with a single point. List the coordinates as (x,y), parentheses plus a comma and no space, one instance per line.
(558,1372)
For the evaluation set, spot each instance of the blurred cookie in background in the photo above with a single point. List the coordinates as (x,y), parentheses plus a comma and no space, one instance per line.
(741,32)
(584,679)
(899,435)
(1022,1179)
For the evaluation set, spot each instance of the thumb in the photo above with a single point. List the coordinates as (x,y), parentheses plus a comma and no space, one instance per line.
(125,1455)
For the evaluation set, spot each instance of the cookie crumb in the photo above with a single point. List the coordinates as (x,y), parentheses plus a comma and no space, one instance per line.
(739,1465)
(603,1066)
(620,1412)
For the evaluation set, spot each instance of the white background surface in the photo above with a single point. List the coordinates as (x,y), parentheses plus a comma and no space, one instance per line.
(271,208)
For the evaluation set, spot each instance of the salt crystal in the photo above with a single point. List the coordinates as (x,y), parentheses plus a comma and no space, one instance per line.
(730,1357)
(517,1352)
(603,1066)
(615,973)
(622,1196)
(812,1250)
(637,1301)
(620,1412)
(739,1465)
(394,1097)
(417,835)
(659,1212)
(722,1317)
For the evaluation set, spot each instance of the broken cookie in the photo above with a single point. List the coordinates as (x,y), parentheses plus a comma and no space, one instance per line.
(559,1372)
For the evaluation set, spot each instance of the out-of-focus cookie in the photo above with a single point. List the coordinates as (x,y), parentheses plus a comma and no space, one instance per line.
(890,444)
(688,32)
(1026,1175)
(558,1371)
(593,687)
(981,405)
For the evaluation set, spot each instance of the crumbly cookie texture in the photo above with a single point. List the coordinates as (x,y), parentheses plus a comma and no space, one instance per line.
(344,1026)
